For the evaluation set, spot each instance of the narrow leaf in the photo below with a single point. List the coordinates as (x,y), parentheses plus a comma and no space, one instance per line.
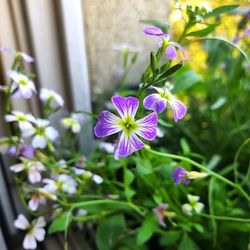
(221,10)
(203,32)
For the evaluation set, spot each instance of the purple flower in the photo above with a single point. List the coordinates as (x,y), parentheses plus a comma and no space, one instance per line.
(126,126)
(159,212)
(25,151)
(180,175)
(170,49)
(158,103)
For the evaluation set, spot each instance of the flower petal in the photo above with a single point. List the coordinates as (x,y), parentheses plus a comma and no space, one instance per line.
(178,108)
(147,128)
(39,234)
(29,242)
(153,31)
(25,125)
(187,209)
(40,222)
(34,202)
(39,141)
(198,206)
(21,222)
(107,124)
(17,167)
(179,47)
(126,106)
(51,133)
(129,144)
(155,102)
(34,176)
(171,52)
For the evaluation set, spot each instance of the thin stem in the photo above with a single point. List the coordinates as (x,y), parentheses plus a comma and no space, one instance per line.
(226,218)
(102,202)
(198,165)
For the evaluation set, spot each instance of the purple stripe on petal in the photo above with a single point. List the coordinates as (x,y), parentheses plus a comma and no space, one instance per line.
(153,31)
(171,52)
(148,125)
(107,124)
(178,108)
(126,106)
(129,144)
(155,102)
(179,47)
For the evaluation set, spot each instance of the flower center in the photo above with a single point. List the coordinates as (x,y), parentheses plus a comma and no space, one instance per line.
(23,82)
(128,125)
(40,131)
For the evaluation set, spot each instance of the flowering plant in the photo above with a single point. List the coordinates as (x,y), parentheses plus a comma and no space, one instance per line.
(130,190)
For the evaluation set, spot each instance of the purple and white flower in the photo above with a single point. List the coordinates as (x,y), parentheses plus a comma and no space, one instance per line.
(64,182)
(170,49)
(193,206)
(51,97)
(35,230)
(159,212)
(126,126)
(107,147)
(158,103)
(34,169)
(24,120)
(181,175)
(25,87)
(42,133)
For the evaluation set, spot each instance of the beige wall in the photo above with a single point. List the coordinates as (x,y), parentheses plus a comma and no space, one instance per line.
(112,22)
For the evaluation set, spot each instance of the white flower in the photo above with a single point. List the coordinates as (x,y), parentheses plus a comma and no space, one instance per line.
(51,97)
(64,182)
(193,205)
(67,183)
(23,83)
(96,178)
(24,120)
(34,168)
(35,230)
(43,133)
(73,122)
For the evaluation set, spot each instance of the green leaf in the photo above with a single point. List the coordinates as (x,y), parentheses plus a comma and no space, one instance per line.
(203,32)
(59,224)
(170,238)
(153,61)
(143,167)
(185,147)
(160,25)
(221,10)
(187,243)
(227,42)
(129,177)
(185,80)
(147,229)
(108,232)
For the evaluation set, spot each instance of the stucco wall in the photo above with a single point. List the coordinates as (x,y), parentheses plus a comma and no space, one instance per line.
(112,22)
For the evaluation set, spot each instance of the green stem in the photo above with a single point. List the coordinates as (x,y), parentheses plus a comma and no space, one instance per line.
(225,218)
(102,202)
(198,165)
